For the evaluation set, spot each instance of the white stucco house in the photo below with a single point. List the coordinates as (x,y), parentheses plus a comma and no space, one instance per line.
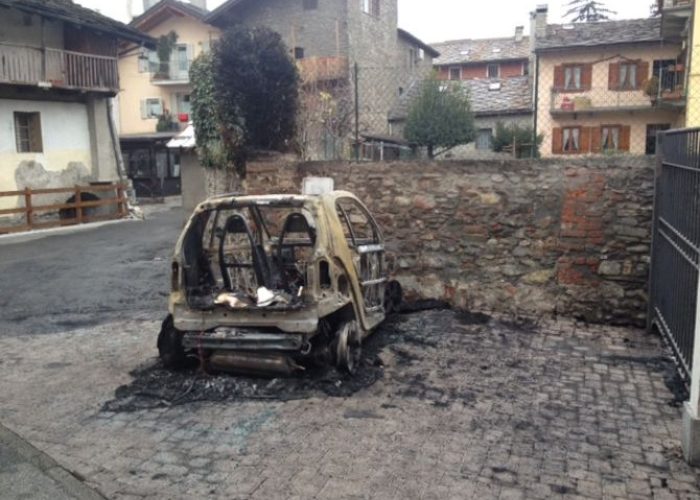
(58,74)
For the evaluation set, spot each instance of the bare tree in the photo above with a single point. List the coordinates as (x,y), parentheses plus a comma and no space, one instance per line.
(587,11)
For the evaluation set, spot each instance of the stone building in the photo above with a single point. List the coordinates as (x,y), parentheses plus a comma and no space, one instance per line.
(58,74)
(329,37)
(494,72)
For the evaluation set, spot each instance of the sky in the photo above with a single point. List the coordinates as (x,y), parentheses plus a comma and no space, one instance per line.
(439,20)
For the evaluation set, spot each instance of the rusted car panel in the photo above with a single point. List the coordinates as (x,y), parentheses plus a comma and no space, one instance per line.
(278,280)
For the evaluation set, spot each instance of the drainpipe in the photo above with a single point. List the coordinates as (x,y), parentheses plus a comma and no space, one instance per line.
(115,142)
(535,104)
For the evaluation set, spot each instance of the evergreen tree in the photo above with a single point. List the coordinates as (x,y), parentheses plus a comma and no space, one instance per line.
(440,117)
(245,97)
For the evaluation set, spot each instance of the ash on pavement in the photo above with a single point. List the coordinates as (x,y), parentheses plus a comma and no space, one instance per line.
(402,343)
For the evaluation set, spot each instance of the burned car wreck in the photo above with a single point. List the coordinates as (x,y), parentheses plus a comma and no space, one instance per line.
(276,284)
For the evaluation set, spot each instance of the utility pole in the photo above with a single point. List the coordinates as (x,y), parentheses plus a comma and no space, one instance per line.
(356,78)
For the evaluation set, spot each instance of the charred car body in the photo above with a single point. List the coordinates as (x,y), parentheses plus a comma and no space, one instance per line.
(275,283)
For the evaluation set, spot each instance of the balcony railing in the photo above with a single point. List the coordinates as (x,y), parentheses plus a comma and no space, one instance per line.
(666,89)
(317,69)
(23,65)
(675,4)
(172,73)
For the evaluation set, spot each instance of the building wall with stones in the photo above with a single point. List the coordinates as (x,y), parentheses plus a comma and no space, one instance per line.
(321,32)
(516,237)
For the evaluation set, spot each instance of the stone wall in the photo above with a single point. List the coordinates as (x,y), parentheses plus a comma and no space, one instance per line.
(518,237)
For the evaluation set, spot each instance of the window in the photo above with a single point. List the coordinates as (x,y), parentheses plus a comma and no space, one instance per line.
(183,104)
(151,108)
(573,77)
(484,139)
(665,71)
(138,163)
(358,227)
(493,71)
(455,73)
(28,133)
(628,76)
(310,4)
(370,7)
(298,52)
(652,131)
(148,62)
(571,139)
(610,137)
(174,164)
(182,59)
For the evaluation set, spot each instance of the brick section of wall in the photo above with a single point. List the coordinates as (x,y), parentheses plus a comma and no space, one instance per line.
(523,238)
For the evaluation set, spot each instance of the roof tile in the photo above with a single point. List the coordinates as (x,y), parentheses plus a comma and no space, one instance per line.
(68,11)
(482,50)
(488,97)
(600,33)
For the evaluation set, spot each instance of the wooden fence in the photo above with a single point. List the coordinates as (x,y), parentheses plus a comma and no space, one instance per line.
(73,213)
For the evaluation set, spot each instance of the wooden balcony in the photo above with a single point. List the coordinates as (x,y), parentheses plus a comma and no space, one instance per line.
(23,65)
(319,69)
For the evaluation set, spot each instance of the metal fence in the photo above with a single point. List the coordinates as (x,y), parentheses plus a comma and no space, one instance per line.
(676,243)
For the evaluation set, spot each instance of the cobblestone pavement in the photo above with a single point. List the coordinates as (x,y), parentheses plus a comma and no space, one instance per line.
(463,410)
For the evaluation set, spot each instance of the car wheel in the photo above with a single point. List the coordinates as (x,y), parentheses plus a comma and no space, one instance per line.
(170,347)
(393,297)
(348,347)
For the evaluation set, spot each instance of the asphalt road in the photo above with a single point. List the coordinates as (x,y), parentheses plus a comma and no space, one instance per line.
(80,278)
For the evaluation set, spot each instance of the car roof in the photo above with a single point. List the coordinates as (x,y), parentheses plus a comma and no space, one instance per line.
(282,199)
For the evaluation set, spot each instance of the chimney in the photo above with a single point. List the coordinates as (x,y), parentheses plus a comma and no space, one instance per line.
(202,4)
(540,21)
(538,25)
(519,32)
(147,4)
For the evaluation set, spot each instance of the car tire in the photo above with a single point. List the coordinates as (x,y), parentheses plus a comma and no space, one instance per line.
(393,297)
(348,348)
(170,348)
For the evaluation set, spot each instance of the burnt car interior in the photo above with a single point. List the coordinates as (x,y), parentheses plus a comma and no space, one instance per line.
(248,256)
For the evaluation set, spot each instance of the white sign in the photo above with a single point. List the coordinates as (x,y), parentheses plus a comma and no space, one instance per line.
(315,186)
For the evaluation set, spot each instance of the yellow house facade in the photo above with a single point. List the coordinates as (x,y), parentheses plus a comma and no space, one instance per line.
(607,87)
(693,116)
(154,90)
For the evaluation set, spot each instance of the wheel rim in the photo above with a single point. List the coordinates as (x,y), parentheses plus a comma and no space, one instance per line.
(348,350)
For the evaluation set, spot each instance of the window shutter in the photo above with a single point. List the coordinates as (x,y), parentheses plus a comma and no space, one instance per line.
(625,137)
(595,139)
(587,76)
(557,141)
(559,77)
(585,140)
(614,76)
(642,73)
(35,139)
(144,110)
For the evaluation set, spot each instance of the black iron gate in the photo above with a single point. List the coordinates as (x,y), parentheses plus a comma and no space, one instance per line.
(675,265)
